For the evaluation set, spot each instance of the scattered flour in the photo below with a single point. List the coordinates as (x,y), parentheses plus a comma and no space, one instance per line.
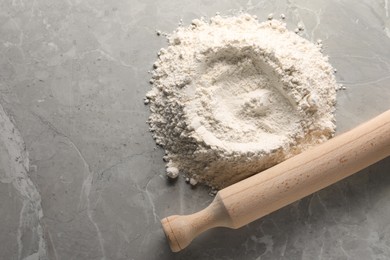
(233,96)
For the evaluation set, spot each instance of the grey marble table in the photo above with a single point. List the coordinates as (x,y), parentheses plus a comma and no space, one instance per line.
(80,175)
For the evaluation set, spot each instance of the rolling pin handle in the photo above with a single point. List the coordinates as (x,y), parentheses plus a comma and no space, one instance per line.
(180,230)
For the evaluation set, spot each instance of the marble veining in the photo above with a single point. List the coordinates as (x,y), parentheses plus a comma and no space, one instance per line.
(80,175)
(14,170)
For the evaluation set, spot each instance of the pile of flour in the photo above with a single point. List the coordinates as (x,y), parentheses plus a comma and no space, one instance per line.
(233,96)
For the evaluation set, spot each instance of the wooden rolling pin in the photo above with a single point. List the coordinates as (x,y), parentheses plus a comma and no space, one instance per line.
(291,180)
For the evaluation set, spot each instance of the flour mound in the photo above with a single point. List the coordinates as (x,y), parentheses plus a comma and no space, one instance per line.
(232,97)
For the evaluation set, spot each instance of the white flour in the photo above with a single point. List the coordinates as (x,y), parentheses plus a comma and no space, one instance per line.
(232,97)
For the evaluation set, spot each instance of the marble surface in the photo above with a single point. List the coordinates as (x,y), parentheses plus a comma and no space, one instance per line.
(80,175)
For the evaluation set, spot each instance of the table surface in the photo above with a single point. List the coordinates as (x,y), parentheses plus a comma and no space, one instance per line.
(80,175)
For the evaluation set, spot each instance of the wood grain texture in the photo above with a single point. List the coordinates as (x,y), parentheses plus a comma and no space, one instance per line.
(289,181)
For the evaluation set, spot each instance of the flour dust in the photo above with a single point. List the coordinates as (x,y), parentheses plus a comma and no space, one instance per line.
(234,96)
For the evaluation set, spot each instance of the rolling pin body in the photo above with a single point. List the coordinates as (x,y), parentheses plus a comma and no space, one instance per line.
(289,181)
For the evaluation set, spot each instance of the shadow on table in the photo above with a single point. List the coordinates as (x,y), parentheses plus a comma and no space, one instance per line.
(321,223)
